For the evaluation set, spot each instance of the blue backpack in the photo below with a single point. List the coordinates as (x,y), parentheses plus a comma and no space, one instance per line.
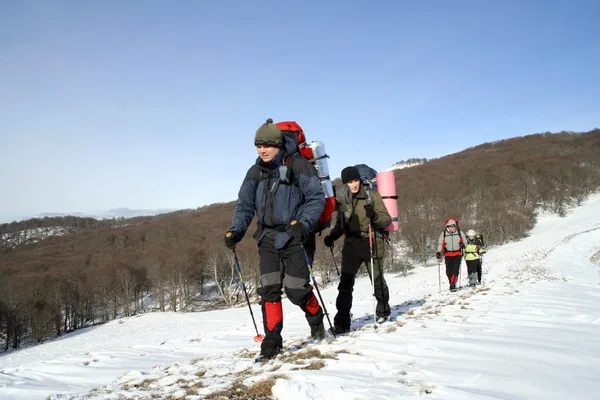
(367,175)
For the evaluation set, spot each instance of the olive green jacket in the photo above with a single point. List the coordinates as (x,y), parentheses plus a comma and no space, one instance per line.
(352,220)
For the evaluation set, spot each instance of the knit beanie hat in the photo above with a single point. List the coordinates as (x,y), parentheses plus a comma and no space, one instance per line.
(350,174)
(268,135)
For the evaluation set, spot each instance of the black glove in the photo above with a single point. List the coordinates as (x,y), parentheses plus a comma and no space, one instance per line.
(297,230)
(328,241)
(231,239)
(370,211)
(438,255)
(462,246)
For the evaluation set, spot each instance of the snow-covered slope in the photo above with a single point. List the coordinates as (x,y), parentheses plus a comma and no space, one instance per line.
(402,165)
(531,331)
(15,239)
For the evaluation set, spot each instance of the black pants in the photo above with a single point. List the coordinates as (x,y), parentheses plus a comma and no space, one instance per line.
(473,266)
(284,269)
(479,270)
(352,260)
(452,268)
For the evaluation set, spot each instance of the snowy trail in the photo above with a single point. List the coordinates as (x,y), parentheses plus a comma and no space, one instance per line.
(530,332)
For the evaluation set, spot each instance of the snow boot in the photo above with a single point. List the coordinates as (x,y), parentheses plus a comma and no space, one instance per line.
(317,332)
(339,330)
(473,279)
(273,324)
(267,353)
(314,316)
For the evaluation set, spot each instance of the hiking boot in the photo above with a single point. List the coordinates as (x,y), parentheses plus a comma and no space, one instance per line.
(452,287)
(268,353)
(340,330)
(317,332)
(381,319)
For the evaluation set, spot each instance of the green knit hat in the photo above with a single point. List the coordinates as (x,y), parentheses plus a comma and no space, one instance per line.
(268,135)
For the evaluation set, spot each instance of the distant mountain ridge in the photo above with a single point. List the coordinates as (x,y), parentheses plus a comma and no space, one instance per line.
(120,212)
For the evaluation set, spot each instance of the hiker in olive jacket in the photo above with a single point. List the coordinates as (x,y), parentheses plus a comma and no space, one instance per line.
(359,210)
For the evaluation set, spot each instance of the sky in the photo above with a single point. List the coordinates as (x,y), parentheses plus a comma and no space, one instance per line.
(155,104)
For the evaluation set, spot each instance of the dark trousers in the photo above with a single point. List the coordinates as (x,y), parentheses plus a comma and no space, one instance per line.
(452,268)
(352,260)
(284,269)
(472,266)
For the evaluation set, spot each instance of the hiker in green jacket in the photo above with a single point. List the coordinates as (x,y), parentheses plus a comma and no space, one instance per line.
(360,209)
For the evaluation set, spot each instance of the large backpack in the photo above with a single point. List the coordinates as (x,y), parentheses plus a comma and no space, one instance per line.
(480,237)
(315,153)
(368,177)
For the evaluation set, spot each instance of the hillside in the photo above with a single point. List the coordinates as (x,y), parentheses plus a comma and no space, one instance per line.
(105,269)
(534,323)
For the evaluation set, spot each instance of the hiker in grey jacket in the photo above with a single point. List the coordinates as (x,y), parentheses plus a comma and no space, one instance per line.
(451,244)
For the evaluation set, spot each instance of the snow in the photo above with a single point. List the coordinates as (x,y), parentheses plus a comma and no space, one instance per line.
(402,165)
(531,331)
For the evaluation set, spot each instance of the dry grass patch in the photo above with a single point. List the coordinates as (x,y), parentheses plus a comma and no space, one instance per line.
(244,372)
(391,329)
(305,355)
(315,365)
(346,351)
(246,354)
(400,323)
(193,388)
(595,258)
(142,385)
(410,312)
(261,390)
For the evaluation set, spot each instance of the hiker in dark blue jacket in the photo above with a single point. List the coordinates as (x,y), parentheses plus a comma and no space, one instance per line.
(285,192)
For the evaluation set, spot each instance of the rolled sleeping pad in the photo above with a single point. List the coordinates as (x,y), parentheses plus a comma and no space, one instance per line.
(386,187)
(319,160)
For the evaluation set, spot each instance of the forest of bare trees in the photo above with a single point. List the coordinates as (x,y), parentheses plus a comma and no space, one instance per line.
(96,271)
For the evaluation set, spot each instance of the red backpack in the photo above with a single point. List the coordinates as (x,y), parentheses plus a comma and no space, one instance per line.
(315,153)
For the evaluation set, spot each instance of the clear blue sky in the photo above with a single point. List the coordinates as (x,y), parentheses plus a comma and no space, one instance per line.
(154,104)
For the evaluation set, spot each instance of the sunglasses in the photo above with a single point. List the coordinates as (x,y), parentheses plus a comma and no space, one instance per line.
(450,226)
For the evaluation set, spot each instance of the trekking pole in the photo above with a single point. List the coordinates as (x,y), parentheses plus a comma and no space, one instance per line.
(372,276)
(460,271)
(318,291)
(439,276)
(258,337)
(481,268)
(334,262)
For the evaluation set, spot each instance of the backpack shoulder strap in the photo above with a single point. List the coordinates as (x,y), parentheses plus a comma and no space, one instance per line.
(289,162)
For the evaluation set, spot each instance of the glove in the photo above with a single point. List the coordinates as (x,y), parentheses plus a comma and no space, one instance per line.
(231,239)
(370,211)
(462,246)
(328,241)
(297,230)
(482,252)
(438,255)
